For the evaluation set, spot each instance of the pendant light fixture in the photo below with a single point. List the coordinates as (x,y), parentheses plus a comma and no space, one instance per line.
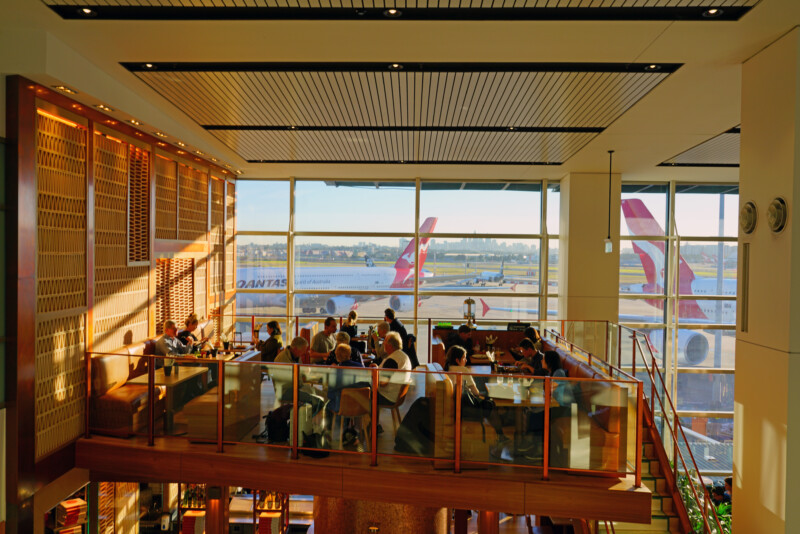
(609,247)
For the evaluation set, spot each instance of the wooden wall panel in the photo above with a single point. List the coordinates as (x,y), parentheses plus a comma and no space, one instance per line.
(193,203)
(230,241)
(166,198)
(61,224)
(174,291)
(120,298)
(126,504)
(139,162)
(200,273)
(60,382)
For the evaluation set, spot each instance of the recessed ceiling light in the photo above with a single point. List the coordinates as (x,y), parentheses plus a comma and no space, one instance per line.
(653,67)
(181,143)
(103,107)
(161,144)
(198,152)
(134,122)
(361,12)
(65,89)
(181,152)
(712,13)
(112,122)
(395,66)
(148,65)
(214,160)
(160,134)
(392,13)
(292,127)
(511,128)
(239,172)
(228,165)
(86,12)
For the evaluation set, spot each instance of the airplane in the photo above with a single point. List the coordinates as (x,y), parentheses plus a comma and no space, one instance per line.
(692,346)
(368,278)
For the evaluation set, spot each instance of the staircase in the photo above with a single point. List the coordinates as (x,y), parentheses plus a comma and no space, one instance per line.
(664,517)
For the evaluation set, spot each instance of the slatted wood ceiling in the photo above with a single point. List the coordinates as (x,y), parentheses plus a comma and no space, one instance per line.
(719,151)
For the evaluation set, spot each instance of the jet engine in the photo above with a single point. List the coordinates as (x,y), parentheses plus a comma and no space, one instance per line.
(402,302)
(339,305)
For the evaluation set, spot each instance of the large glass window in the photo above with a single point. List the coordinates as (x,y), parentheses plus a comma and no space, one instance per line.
(678,283)
(350,245)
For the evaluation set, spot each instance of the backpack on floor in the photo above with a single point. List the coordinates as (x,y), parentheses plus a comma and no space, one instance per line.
(277,423)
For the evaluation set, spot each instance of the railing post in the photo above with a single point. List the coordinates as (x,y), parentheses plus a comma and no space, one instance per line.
(653,388)
(253,329)
(619,348)
(546,438)
(562,327)
(295,401)
(151,405)
(633,345)
(296,326)
(220,404)
(88,361)
(457,453)
(639,432)
(607,356)
(373,435)
(430,339)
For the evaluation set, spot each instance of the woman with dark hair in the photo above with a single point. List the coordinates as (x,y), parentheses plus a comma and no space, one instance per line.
(272,346)
(474,407)
(552,363)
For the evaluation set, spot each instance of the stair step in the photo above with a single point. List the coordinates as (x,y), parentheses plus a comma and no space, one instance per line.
(659,522)
(648,450)
(661,503)
(651,467)
(656,485)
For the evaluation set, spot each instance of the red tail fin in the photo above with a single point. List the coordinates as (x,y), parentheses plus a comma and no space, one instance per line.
(406,259)
(651,253)
(485,306)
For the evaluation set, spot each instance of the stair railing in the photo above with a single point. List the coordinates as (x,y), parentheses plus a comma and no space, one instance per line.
(708,514)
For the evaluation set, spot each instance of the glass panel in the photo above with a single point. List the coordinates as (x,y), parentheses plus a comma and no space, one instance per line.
(656,337)
(705,392)
(335,407)
(711,440)
(552,307)
(706,348)
(253,196)
(644,209)
(641,267)
(706,275)
(493,264)
(353,263)
(422,435)
(642,310)
(506,425)
(707,210)
(190,398)
(502,309)
(338,206)
(485,208)
(260,262)
(280,375)
(553,208)
(552,266)
(599,407)
(707,311)
(265,304)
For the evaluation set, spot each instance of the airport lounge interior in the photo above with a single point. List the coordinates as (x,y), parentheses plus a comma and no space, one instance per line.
(399,266)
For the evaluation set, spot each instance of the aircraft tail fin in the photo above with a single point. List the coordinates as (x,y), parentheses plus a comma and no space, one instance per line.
(406,259)
(485,308)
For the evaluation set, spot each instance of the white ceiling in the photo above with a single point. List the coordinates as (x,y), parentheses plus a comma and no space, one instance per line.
(696,103)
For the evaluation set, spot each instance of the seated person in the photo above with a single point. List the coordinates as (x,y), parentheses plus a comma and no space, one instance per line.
(390,384)
(169,344)
(474,407)
(531,361)
(323,342)
(376,341)
(462,338)
(270,348)
(345,358)
(187,335)
(306,394)
(532,334)
(396,326)
(721,502)
(349,325)
(729,487)
(355,355)
(342,381)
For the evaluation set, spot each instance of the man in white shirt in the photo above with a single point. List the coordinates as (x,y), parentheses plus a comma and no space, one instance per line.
(391,383)
(170,344)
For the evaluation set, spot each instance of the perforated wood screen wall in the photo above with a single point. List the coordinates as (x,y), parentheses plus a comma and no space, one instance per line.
(200,274)
(166,198)
(230,241)
(60,382)
(193,203)
(126,504)
(217,244)
(61,222)
(120,290)
(105,508)
(174,290)
(139,204)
